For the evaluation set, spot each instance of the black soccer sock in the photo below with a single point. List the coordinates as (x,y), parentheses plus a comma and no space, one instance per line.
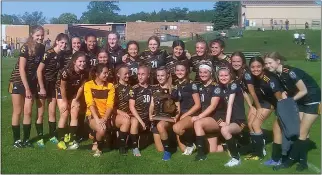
(135,139)
(100,145)
(276,152)
(259,145)
(52,129)
(200,141)
(72,131)
(26,131)
(166,144)
(188,137)
(122,138)
(232,147)
(81,125)
(61,133)
(303,145)
(40,130)
(252,142)
(16,132)
(294,153)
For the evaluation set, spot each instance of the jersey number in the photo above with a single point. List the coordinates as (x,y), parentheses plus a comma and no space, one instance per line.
(93,62)
(154,64)
(134,71)
(146,99)
(202,97)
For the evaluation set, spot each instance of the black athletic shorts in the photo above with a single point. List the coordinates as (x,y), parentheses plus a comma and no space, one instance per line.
(18,88)
(265,104)
(70,96)
(310,109)
(50,89)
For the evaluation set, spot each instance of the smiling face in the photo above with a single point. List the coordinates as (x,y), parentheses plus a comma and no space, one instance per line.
(204,74)
(216,50)
(91,42)
(256,68)
(62,44)
(133,50)
(181,71)
(102,57)
(236,62)
(124,74)
(103,75)
(271,64)
(112,40)
(76,44)
(153,45)
(162,77)
(143,75)
(177,51)
(80,63)
(224,76)
(38,36)
(201,48)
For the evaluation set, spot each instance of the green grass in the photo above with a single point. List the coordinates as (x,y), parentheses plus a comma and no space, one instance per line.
(50,160)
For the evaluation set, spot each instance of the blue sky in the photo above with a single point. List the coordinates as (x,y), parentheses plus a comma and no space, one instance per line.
(54,9)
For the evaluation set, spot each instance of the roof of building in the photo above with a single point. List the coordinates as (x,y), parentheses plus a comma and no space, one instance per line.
(280,3)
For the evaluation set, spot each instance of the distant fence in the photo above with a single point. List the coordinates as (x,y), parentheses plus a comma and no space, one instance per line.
(255,23)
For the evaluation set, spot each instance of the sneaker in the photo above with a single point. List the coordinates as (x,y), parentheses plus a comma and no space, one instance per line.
(27,144)
(233,162)
(123,151)
(301,167)
(62,145)
(200,157)
(97,153)
(73,145)
(136,152)
(253,157)
(54,140)
(271,162)
(67,138)
(18,144)
(264,149)
(166,156)
(189,150)
(40,143)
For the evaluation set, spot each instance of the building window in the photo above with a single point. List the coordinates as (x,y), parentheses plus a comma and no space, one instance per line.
(209,28)
(173,27)
(164,27)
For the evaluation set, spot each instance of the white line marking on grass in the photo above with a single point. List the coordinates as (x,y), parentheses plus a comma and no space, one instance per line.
(4,97)
(314,168)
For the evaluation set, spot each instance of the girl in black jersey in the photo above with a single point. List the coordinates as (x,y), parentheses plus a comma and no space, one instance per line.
(69,96)
(115,51)
(76,44)
(122,119)
(154,57)
(179,55)
(140,100)
(132,60)
(47,76)
(201,54)
(187,94)
(306,92)
(160,135)
(102,56)
(91,49)
(219,59)
(23,85)
(268,91)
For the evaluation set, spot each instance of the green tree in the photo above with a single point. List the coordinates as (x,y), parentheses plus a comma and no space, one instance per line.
(226,14)
(67,18)
(33,18)
(10,19)
(100,12)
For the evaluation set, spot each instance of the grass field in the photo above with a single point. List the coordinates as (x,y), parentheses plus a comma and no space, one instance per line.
(51,160)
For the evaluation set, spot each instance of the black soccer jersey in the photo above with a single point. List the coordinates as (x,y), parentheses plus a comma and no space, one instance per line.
(266,86)
(158,102)
(91,59)
(133,68)
(245,79)
(217,64)
(206,93)
(224,91)
(291,75)
(183,92)
(122,97)
(31,65)
(67,57)
(171,62)
(115,56)
(142,97)
(52,62)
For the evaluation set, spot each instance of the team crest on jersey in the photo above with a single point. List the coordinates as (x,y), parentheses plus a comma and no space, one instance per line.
(23,49)
(247,76)
(131,93)
(45,56)
(272,84)
(217,90)
(194,87)
(123,90)
(292,75)
(233,86)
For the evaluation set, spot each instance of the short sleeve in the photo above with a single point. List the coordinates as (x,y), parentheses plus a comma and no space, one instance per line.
(275,85)
(45,59)
(64,75)
(88,95)
(111,97)
(24,51)
(248,79)
(194,88)
(295,75)
(132,94)
(233,88)
(216,92)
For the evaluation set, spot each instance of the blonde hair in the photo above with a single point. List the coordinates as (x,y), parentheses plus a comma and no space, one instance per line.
(31,44)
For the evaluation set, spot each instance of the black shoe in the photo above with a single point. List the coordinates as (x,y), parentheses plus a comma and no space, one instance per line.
(123,151)
(301,167)
(200,157)
(18,144)
(27,144)
(287,164)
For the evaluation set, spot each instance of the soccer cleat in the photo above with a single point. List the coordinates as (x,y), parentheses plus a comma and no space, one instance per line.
(166,156)
(233,162)
(62,145)
(123,151)
(54,140)
(200,157)
(18,144)
(301,167)
(136,152)
(73,145)
(40,143)
(271,162)
(287,164)
(189,150)
(67,138)
(27,144)
(253,157)
(264,149)
(97,153)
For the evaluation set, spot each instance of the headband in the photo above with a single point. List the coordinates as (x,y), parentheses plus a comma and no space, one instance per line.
(204,66)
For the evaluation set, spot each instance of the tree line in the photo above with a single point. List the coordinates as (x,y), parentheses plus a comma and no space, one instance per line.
(224,15)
